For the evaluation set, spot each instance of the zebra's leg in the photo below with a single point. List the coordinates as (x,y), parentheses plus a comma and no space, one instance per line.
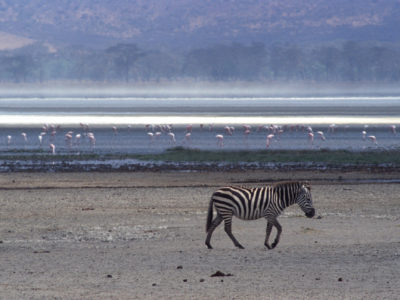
(228,230)
(268,233)
(278,235)
(214,224)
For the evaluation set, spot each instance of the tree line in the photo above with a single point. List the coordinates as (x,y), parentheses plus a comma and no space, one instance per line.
(348,62)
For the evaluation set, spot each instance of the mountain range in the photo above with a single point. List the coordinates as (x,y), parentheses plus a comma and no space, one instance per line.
(185,24)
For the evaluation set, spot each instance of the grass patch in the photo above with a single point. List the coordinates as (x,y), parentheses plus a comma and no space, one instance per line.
(277,156)
(180,154)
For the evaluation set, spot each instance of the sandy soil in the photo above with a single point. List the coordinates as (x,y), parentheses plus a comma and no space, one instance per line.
(141,236)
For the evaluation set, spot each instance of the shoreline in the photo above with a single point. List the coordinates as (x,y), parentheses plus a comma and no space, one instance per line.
(181,159)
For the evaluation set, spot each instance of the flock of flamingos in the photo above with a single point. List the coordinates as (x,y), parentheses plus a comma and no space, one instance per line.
(155,132)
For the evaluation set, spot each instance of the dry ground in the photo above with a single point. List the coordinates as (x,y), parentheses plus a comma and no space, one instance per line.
(141,236)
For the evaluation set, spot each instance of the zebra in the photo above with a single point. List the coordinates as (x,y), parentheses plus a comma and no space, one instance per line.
(254,203)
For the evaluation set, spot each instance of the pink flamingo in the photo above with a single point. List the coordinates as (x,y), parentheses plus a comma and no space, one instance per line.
(151,136)
(53,149)
(228,130)
(269,138)
(332,128)
(311,138)
(247,130)
(321,135)
(246,127)
(188,137)
(68,139)
(115,130)
(85,127)
(172,137)
(78,139)
(220,140)
(40,137)
(189,128)
(92,139)
(158,134)
(53,134)
(364,135)
(24,137)
(372,138)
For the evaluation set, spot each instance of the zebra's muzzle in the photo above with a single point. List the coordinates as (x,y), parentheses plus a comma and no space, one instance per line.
(311,213)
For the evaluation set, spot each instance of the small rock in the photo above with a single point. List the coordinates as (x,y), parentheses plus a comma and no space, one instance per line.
(41,251)
(179,267)
(317,278)
(201,280)
(340,279)
(184,280)
(109,276)
(319,217)
(154,284)
(220,274)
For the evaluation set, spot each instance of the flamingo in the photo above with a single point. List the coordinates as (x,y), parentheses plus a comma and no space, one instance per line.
(188,138)
(332,128)
(40,137)
(228,130)
(220,140)
(321,135)
(115,130)
(25,137)
(372,138)
(53,134)
(85,127)
(172,137)
(77,138)
(9,140)
(53,149)
(311,138)
(246,128)
(269,138)
(92,139)
(393,129)
(364,135)
(68,139)
(151,136)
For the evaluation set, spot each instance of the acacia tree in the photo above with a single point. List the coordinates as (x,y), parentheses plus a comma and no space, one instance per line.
(123,58)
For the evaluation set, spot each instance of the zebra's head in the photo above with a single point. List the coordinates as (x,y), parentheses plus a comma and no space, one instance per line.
(304,199)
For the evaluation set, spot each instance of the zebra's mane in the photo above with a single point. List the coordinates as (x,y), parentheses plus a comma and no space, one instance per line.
(277,185)
(292,183)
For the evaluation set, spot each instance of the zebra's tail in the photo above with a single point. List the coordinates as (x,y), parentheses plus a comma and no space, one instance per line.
(210,214)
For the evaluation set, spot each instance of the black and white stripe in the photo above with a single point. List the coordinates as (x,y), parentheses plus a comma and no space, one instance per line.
(255,203)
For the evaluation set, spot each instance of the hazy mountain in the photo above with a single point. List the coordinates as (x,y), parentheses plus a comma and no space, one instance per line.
(193,23)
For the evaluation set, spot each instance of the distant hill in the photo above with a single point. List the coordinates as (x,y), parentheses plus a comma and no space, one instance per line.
(193,23)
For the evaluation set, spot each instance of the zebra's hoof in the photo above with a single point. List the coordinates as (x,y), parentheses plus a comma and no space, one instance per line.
(209,246)
(268,246)
(240,246)
(273,245)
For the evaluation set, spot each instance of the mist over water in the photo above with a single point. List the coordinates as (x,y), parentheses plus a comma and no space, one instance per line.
(25,111)
(136,116)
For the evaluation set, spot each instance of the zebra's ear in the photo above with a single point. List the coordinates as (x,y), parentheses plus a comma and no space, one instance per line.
(307,185)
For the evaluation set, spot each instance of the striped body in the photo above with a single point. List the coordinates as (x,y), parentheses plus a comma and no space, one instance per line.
(254,203)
